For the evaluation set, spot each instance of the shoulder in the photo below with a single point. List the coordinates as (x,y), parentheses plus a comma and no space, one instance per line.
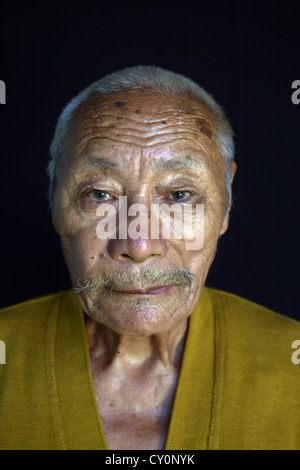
(31,312)
(253,332)
(23,331)
(258,376)
(248,314)
(35,303)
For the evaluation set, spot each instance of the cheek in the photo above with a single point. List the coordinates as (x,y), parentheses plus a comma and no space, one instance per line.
(82,252)
(199,260)
(203,233)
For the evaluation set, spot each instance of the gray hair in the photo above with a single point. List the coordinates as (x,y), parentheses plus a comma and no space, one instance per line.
(156,80)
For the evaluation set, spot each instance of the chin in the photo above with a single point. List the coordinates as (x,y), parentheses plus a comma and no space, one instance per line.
(138,317)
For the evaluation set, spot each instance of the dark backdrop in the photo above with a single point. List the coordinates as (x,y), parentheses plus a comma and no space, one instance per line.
(246,53)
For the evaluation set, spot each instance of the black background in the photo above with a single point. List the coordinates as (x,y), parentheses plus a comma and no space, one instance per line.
(246,53)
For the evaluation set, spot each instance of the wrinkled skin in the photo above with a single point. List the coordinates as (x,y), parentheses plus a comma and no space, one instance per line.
(164,127)
(136,334)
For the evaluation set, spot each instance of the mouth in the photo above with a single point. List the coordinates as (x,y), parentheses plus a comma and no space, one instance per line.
(150,291)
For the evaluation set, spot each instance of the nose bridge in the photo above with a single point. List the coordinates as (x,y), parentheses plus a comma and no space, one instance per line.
(138,203)
(143,190)
(141,193)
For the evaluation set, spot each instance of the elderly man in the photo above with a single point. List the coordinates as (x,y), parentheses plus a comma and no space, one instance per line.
(139,354)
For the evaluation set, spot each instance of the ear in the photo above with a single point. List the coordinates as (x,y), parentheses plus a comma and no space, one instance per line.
(55,222)
(233,167)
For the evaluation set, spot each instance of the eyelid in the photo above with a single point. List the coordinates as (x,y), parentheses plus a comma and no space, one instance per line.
(187,198)
(96,180)
(182,190)
(179,186)
(88,193)
(98,190)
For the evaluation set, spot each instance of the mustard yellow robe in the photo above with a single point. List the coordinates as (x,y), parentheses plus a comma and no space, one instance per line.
(238,387)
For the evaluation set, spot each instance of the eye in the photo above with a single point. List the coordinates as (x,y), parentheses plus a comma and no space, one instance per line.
(99,195)
(179,196)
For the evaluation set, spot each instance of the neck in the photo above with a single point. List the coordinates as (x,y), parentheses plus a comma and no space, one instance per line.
(108,348)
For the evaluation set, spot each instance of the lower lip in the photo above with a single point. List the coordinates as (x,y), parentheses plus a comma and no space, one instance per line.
(157,291)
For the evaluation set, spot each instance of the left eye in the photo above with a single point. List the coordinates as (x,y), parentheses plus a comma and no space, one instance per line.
(180,195)
(99,195)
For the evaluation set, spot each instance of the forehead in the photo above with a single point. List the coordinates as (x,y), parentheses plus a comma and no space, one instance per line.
(141,101)
(144,109)
(123,126)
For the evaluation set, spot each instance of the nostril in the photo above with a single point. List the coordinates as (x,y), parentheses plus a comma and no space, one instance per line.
(137,250)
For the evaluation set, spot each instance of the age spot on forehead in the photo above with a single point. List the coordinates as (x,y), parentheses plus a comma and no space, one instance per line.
(189,111)
(204,127)
(119,104)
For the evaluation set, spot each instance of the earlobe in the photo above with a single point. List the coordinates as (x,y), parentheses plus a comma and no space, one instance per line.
(54,221)
(225,223)
(233,167)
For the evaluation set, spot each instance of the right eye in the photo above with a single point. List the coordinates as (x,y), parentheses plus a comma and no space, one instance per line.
(99,195)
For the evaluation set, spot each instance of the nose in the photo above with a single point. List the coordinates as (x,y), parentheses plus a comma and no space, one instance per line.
(138,250)
(137,247)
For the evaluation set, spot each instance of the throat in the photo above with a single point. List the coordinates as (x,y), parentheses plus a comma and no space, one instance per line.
(135,411)
(135,381)
(110,349)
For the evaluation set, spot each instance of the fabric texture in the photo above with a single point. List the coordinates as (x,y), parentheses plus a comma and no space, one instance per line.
(238,387)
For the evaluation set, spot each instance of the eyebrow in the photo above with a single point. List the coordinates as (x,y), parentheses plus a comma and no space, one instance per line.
(103,164)
(183,163)
(187,164)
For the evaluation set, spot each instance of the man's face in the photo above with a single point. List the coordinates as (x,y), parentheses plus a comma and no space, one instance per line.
(153,150)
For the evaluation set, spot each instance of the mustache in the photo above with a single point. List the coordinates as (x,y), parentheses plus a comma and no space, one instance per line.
(150,277)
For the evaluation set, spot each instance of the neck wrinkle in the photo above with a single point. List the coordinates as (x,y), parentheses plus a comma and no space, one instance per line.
(108,348)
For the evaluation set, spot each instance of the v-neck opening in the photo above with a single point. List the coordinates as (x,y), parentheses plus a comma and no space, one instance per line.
(191,420)
(76,417)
